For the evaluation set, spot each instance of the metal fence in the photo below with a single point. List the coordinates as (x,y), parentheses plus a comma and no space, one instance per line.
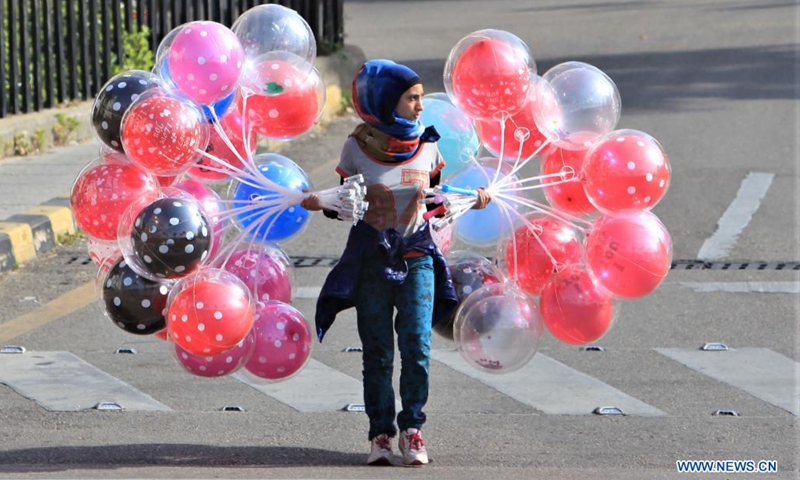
(56,51)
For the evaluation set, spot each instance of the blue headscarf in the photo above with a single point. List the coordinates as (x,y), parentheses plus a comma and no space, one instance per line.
(377,87)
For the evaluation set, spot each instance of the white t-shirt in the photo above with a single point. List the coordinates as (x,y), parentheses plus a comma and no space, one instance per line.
(393,189)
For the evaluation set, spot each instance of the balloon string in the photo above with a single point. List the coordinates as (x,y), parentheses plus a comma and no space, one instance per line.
(513,189)
(508,178)
(504,207)
(502,121)
(547,210)
(536,231)
(566,174)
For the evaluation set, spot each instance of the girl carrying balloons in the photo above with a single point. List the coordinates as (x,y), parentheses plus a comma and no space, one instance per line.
(390,261)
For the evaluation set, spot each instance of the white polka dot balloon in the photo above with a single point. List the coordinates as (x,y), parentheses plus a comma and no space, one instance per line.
(283,343)
(205,61)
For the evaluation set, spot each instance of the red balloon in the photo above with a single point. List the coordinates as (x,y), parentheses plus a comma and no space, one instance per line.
(231,125)
(519,129)
(569,196)
(629,252)
(288,103)
(490,77)
(209,315)
(625,169)
(103,192)
(164,134)
(532,266)
(574,309)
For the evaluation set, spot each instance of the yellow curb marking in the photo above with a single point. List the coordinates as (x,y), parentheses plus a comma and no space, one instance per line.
(53,310)
(60,218)
(21,240)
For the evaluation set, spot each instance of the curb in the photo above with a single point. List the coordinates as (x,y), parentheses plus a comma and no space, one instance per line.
(26,235)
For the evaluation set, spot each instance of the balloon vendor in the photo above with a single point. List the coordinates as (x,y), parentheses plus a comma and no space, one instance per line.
(390,260)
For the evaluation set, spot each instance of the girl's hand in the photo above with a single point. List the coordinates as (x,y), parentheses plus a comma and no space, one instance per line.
(483,199)
(311,203)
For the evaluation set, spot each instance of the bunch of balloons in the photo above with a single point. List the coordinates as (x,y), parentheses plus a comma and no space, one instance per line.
(563,262)
(180,254)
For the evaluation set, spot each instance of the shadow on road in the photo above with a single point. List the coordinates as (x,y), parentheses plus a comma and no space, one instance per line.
(49,459)
(673,81)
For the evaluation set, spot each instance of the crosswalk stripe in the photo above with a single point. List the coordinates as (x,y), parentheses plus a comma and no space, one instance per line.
(316,388)
(758,371)
(62,382)
(551,387)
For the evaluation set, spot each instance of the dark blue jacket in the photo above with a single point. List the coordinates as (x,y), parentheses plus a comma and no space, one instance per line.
(367,244)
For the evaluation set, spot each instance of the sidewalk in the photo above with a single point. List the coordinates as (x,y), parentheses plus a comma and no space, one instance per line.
(34,190)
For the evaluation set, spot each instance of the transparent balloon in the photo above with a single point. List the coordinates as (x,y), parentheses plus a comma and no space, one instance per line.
(264,272)
(272,30)
(537,249)
(625,169)
(459,142)
(470,271)
(113,100)
(168,238)
(105,189)
(282,96)
(164,132)
(205,61)
(629,252)
(567,196)
(576,103)
(268,214)
(480,228)
(488,74)
(283,343)
(498,328)
(212,366)
(575,309)
(209,312)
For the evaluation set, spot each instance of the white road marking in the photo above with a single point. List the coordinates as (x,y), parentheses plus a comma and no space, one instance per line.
(62,382)
(551,387)
(739,213)
(744,287)
(758,371)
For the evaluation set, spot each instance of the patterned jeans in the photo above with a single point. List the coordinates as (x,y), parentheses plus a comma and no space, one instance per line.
(375,304)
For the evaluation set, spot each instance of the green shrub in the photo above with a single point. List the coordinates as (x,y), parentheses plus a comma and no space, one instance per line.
(136,51)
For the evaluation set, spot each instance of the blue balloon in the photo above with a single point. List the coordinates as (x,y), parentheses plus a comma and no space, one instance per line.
(481,228)
(268,225)
(459,143)
(215,110)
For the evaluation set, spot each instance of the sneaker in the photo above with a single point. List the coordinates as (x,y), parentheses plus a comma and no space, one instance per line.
(413,448)
(380,451)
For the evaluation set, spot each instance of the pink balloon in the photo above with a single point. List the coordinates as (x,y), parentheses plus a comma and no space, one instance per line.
(283,342)
(265,274)
(574,308)
(217,365)
(626,169)
(629,252)
(205,61)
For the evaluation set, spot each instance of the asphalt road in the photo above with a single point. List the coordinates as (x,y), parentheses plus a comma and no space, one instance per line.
(714,81)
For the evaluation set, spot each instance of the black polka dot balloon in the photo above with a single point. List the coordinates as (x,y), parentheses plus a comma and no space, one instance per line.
(134,303)
(171,237)
(113,101)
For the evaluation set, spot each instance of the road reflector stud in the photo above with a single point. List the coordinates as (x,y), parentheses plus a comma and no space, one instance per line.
(12,349)
(108,406)
(725,413)
(593,348)
(608,411)
(355,407)
(130,351)
(714,347)
(353,349)
(232,408)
